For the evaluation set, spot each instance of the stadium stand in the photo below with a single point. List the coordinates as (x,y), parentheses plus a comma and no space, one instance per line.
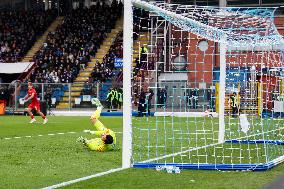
(106,69)
(39,43)
(67,51)
(101,28)
(19,30)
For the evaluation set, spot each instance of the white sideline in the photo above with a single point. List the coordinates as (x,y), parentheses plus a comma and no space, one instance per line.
(50,134)
(83,178)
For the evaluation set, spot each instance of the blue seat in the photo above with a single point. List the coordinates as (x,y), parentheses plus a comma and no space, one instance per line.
(55,94)
(65,87)
(104,89)
(22,94)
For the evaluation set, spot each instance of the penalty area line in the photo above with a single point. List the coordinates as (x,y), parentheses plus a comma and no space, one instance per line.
(84,178)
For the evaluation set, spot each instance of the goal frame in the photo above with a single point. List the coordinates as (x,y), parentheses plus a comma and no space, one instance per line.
(127,104)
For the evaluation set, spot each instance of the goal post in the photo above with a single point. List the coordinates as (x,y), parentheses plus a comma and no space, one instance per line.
(222,86)
(127,71)
(202,87)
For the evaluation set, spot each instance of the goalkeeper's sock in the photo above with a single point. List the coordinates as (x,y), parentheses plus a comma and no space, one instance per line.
(32,116)
(97,113)
(99,126)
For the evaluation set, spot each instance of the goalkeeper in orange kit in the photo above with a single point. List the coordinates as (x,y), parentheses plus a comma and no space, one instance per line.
(107,140)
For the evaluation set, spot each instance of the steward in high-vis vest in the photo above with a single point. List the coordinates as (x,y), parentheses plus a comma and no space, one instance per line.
(109,98)
(143,55)
(115,98)
(120,98)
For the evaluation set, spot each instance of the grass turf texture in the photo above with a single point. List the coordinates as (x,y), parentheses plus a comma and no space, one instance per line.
(40,161)
(45,160)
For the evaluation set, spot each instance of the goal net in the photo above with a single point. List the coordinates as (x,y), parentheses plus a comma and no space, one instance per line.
(207,87)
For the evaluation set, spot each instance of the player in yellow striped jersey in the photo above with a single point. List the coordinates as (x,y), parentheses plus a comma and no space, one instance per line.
(107,140)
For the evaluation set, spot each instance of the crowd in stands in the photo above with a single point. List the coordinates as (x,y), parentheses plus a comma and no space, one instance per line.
(101,72)
(70,47)
(107,69)
(104,70)
(19,31)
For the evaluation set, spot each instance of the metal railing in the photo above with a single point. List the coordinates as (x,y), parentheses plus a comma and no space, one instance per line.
(70,96)
(166,95)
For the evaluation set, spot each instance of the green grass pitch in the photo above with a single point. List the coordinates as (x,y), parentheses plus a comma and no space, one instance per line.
(36,156)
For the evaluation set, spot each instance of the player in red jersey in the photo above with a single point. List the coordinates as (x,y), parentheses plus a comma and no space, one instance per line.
(32,95)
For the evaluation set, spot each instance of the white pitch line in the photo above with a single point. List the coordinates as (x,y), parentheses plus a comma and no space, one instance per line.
(83,178)
(50,134)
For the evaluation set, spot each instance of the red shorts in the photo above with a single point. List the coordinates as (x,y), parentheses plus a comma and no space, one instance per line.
(34,105)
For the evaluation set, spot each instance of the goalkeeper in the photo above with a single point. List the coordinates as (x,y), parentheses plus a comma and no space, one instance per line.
(107,140)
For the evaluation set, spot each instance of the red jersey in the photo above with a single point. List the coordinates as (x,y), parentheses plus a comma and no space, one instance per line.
(34,99)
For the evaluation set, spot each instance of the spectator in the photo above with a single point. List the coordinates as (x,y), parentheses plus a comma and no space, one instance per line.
(233,101)
(142,104)
(149,96)
(143,53)
(194,97)
(162,97)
